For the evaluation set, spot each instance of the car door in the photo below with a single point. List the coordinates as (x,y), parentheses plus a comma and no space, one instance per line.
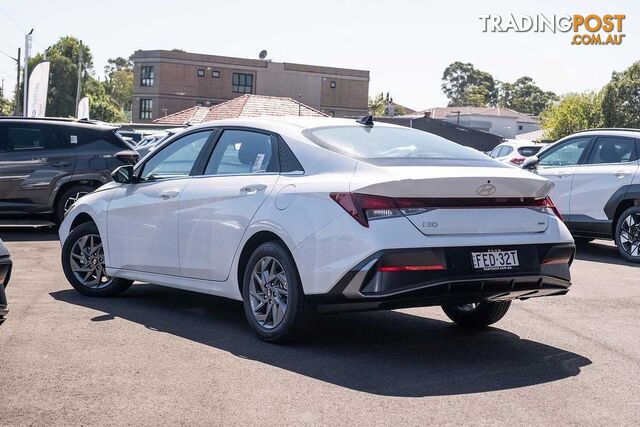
(612,163)
(216,207)
(559,164)
(142,219)
(33,158)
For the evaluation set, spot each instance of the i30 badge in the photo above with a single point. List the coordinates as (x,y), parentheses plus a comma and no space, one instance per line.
(486,190)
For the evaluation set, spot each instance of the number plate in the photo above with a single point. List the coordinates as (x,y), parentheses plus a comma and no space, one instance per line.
(495,260)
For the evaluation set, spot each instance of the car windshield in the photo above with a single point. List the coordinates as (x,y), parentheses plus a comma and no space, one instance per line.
(393,145)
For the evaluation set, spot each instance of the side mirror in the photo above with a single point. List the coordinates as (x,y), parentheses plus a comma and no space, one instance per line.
(123,174)
(530,163)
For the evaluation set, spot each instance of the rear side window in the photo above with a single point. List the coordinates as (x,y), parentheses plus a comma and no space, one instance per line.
(19,138)
(242,152)
(391,145)
(528,151)
(613,150)
(95,138)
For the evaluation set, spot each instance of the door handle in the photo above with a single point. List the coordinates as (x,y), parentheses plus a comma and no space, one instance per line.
(562,174)
(169,194)
(620,174)
(252,189)
(61,164)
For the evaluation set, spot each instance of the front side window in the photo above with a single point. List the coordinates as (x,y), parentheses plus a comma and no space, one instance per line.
(20,138)
(176,159)
(146,76)
(242,83)
(565,154)
(242,152)
(613,150)
(393,145)
(146,109)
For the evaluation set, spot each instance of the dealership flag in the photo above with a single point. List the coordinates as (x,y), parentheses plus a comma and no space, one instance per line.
(83,108)
(38,86)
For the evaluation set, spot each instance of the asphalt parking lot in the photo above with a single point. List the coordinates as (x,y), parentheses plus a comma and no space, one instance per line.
(161,356)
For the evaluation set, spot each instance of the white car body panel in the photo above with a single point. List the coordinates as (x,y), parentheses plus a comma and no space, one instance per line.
(192,240)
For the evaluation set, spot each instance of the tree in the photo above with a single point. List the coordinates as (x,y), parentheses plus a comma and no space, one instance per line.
(525,96)
(376,105)
(6,105)
(101,106)
(119,82)
(465,85)
(621,98)
(574,112)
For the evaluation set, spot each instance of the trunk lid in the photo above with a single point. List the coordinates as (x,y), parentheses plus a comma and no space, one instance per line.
(462,200)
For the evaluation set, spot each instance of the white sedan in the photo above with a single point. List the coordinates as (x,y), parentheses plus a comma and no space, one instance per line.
(300,216)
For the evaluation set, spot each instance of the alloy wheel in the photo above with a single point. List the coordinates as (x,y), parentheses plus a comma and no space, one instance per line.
(630,234)
(268,292)
(87,262)
(468,307)
(73,198)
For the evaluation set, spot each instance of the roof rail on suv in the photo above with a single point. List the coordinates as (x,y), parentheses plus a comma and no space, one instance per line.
(609,129)
(55,119)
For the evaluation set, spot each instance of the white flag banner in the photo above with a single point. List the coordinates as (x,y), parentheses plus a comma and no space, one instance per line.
(38,87)
(83,108)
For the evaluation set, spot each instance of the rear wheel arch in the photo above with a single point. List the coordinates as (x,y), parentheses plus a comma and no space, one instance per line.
(623,206)
(251,245)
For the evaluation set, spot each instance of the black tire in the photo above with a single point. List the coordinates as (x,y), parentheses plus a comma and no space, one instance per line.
(628,244)
(299,314)
(484,313)
(65,200)
(112,287)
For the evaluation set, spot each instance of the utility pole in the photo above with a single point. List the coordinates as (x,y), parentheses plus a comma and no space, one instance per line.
(16,98)
(79,87)
(25,81)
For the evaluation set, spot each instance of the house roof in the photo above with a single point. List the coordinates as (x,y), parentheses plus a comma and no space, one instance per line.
(242,106)
(445,112)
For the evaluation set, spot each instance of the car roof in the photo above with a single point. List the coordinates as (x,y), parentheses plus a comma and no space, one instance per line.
(291,123)
(629,132)
(60,121)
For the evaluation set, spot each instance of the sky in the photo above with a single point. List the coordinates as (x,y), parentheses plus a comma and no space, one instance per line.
(406,45)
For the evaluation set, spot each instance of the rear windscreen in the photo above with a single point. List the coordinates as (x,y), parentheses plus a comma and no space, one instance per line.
(528,151)
(393,145)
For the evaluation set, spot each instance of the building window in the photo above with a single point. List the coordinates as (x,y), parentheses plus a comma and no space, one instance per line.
(519,127)
(242,83)
(333,84)
(146,76)
(332,113)
(146,109)
(200,72)
(215,74)
(199,103)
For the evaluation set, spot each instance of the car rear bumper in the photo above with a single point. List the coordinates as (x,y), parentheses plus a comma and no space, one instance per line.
(379,281)
(5,275)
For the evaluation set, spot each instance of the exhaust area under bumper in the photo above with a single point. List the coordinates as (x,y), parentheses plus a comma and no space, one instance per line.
(401,278)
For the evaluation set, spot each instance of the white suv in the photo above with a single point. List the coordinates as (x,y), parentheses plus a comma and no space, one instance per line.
(597,188)
(515,151)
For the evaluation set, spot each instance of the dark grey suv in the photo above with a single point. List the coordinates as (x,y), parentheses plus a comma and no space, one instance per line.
(47,164)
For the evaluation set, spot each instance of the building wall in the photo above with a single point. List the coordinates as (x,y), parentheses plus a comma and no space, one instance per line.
(177,85)
(507,127)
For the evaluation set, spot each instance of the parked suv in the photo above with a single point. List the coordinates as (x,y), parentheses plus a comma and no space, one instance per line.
(597,187)
(47,164)
(515,151)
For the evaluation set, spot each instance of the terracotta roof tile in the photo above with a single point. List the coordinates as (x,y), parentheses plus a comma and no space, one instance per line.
(242,106)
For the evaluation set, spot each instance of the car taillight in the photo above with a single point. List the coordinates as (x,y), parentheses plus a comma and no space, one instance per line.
(364,207)
(548,203)
(517,160)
